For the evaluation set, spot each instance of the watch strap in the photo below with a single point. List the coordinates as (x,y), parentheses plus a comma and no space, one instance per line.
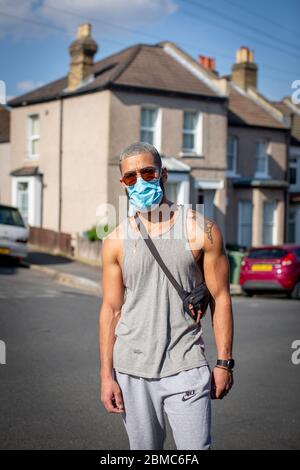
(228,363)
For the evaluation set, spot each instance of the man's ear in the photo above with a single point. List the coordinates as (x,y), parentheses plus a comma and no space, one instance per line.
(122,184)
(164,174)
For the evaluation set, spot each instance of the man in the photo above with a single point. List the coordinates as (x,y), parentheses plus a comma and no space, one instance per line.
(151,350)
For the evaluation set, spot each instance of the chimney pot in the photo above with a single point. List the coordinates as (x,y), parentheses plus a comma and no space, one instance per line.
(243,55)
(84,30)
(208,63)
(244,71)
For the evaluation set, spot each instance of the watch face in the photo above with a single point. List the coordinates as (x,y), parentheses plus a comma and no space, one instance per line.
(231,363)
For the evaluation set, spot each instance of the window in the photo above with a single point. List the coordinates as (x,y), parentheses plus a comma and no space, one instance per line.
(206,197)
(10,216)
(245,223)
(291,226)
(269,209)
(200,197)
(261,158)
(267,253)
(293,164)
(149,126)
(172,190)
(231,154)
(33,136)
(192,132)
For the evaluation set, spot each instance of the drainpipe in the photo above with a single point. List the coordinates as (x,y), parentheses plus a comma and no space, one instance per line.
(287,194)
(61,109)
(42,200)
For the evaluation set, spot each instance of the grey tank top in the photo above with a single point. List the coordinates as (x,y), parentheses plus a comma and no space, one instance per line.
(155,337)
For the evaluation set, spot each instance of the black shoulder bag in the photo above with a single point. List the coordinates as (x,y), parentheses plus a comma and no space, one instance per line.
(199,297)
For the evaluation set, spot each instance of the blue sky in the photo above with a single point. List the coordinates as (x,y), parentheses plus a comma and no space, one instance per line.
(35,35)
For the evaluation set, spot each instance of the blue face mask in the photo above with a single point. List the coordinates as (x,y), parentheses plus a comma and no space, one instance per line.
(143,194)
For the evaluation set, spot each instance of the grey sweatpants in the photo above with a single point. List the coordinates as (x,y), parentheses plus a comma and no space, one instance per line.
(185,397)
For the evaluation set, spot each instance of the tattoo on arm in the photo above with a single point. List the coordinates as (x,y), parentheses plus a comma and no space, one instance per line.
(207,228)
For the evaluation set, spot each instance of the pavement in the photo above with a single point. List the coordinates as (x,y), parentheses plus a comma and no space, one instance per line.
(49,386)
(76,273)
(66,270)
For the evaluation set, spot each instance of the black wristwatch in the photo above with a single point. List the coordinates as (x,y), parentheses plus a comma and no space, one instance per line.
(228,363)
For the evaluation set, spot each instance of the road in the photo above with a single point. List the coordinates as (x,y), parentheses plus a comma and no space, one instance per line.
(49,387)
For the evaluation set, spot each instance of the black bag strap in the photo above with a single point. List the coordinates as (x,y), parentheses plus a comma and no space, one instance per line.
(146,237)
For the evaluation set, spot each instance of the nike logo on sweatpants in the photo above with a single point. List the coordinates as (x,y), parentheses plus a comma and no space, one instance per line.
(188,395)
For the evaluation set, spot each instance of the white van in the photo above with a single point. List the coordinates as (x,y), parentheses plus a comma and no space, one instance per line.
(14,233)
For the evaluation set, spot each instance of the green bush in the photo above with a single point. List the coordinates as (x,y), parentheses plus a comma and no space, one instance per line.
(97,233)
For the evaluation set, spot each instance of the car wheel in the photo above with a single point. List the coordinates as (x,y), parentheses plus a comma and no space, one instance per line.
(296,291)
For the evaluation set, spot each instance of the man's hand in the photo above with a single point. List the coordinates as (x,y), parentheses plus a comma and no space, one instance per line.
(199,313)
(111,396)
(221,383)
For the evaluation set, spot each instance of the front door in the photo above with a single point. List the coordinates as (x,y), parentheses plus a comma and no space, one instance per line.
(206,197)
(22,199)
(27,197)
(269,227)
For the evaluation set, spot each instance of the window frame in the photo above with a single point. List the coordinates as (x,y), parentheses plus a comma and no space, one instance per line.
(265,173)
(197,132)
(291,221)
(235,155)
(32,137)
(266,225)
(294,163)
(156,129)
(241,224)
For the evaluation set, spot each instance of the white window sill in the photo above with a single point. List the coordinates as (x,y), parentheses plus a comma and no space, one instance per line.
(232,174)
(190,154)
(32,157)
(262,176)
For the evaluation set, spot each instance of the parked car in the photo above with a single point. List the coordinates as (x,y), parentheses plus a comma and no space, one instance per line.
(272,268)
(14,233)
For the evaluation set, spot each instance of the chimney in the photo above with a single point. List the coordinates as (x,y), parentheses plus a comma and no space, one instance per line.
(209,63)
(82,52)
(244,71)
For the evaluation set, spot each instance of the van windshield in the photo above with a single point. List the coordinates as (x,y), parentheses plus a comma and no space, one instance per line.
(10,216)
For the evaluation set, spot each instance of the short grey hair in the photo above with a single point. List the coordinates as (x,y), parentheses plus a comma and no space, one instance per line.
(138,148)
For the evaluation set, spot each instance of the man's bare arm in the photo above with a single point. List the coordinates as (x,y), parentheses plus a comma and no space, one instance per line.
(216,273)
(113,298)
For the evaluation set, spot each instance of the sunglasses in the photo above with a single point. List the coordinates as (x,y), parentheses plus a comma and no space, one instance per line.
(148,174)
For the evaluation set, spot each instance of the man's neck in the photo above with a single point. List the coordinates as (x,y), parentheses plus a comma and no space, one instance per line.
(161,214)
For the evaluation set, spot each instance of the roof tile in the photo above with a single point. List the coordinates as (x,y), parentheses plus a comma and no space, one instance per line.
(244,111)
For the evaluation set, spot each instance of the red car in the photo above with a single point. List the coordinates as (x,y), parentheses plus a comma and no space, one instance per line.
(272,268)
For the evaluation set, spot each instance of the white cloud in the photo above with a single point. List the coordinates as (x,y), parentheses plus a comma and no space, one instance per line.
(28,85)
(65,15)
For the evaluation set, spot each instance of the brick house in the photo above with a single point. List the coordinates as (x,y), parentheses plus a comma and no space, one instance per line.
(224,144)
(67,135)
(257,159)
(293,208)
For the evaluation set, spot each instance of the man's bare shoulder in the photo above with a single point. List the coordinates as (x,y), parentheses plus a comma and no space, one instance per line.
(116,233)
(112,243)
(204,228)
